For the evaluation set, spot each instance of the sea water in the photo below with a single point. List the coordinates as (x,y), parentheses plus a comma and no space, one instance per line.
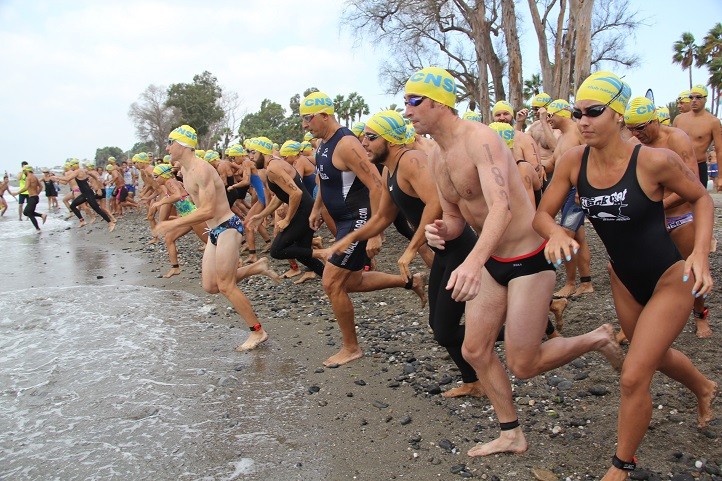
(101,379)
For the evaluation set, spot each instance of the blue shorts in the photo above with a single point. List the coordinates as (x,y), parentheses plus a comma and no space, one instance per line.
(354,258)
(131,188)
(233,223)
(109,192)
(572,213)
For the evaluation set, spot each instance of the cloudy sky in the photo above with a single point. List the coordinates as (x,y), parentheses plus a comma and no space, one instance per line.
(72,68)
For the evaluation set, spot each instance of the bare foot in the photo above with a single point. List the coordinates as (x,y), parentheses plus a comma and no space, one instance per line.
(419,287)
(317,243)
(267,271)
(251,259)
(306,276)
(93,219)
(621,338)
(81,224)
(473,389)
(609,347)
(557,308)
(153,240)
(703,328)
(266,248)
(512,441)
(584,288)
(111,226)
(705,414)
(174,271)
(291,273)
(565,291)
(344,356)
(256,338)
(713,244)
(45,217)
(614,474)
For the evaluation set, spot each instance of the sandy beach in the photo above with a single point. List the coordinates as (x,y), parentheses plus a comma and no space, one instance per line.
(383,417)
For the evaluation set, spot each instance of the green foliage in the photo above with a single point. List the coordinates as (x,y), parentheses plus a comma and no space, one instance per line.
(198,102)
(147,146)
(101,155)
(533,86)
(270,121)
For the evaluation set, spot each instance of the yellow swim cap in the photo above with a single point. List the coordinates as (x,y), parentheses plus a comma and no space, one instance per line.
(236,150)
(561,108)
(262,145)
(683,96)
(606,88)
(471,115)
(316,103)
(166,159)
(434,83)
(306,146)
(663,115)
(211,156)
(289,148)
(200,153)
(90,164)
(410,134)
(110,167)
(111,160)
(141,158)
(502,106)
(163,170)
(541,100)
(27,168)
(358,128)
(390,125)
(506,131)
(307,136)
(185,135)
(699,89)
(639,111)
(73,162)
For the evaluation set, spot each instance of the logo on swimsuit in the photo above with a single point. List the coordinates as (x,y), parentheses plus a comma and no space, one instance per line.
(615,199)
(325,152)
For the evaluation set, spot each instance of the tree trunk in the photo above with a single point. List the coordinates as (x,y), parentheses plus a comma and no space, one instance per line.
(481,32)
(690,76)
(583,42)
(559,57)
(540,29)
(511,36)
(567,56)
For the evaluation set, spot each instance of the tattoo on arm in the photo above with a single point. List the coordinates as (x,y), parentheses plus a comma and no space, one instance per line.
(490,157)
(498,177)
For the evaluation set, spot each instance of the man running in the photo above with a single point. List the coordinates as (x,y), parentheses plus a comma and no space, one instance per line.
(32,192)
(505,278)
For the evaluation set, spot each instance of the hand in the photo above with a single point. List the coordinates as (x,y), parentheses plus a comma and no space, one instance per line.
(315,220)
(229,188)
(698,266)
(373,246)
(253,221)
(560,247)
(282,224)
(161,228)
(522,115)
(543,114)
(435,234)
(465,282)
(404,262)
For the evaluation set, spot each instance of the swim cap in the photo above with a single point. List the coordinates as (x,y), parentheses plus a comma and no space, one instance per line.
(73,162)
(505,131)
(111,160)
(561,108)
(307,136)
(390,125)
(141,158)
(236,150)
(698,89)
(502,106)
(306,146)
(262,145)
(639,111)
(185,135)
(90,164)
(27,168)
(316,103)
(410,134)
(434,83)
(541,100)
(201,154)
(163,170)
(109,167)
(471,115)
(275,146)
(289,148)
(607,88)
(211,156)
(684,96)
(166,159)
(663,115)
(358,128)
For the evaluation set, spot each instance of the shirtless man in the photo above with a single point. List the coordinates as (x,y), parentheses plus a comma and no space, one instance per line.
(227,170)
(5,187)
(350,187)
(86,193)
(151,191)
(683,102)
(525,147)
(641,119)
(505,277)
(22,196)
(220,258)
(535,131)
(558,116)
(32,191)
(703,128)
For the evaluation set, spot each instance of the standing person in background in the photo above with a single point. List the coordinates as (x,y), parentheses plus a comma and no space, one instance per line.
(50,190)
(4,187)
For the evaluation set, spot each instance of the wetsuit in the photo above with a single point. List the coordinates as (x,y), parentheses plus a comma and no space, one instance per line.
(29,210)
(231,195)
(347,201)
(631,227)
(444,312)
(86,195)
(294,242)
(50,190)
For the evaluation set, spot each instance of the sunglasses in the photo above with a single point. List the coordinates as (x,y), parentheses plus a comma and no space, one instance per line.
(640,127)
(697,97)
(307,117)
(170,141)
(415,100)
(596,110)
(372,137)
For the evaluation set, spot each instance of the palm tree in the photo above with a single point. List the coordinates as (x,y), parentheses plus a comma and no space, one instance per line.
(357,106)
(395,108)
(712,50)
(685,53)
(715,81)
(532,86)
(342,108)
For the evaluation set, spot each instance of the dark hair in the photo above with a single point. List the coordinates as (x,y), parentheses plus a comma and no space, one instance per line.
(23,163)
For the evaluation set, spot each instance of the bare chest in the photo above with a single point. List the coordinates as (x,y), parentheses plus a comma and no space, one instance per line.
(457,179)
